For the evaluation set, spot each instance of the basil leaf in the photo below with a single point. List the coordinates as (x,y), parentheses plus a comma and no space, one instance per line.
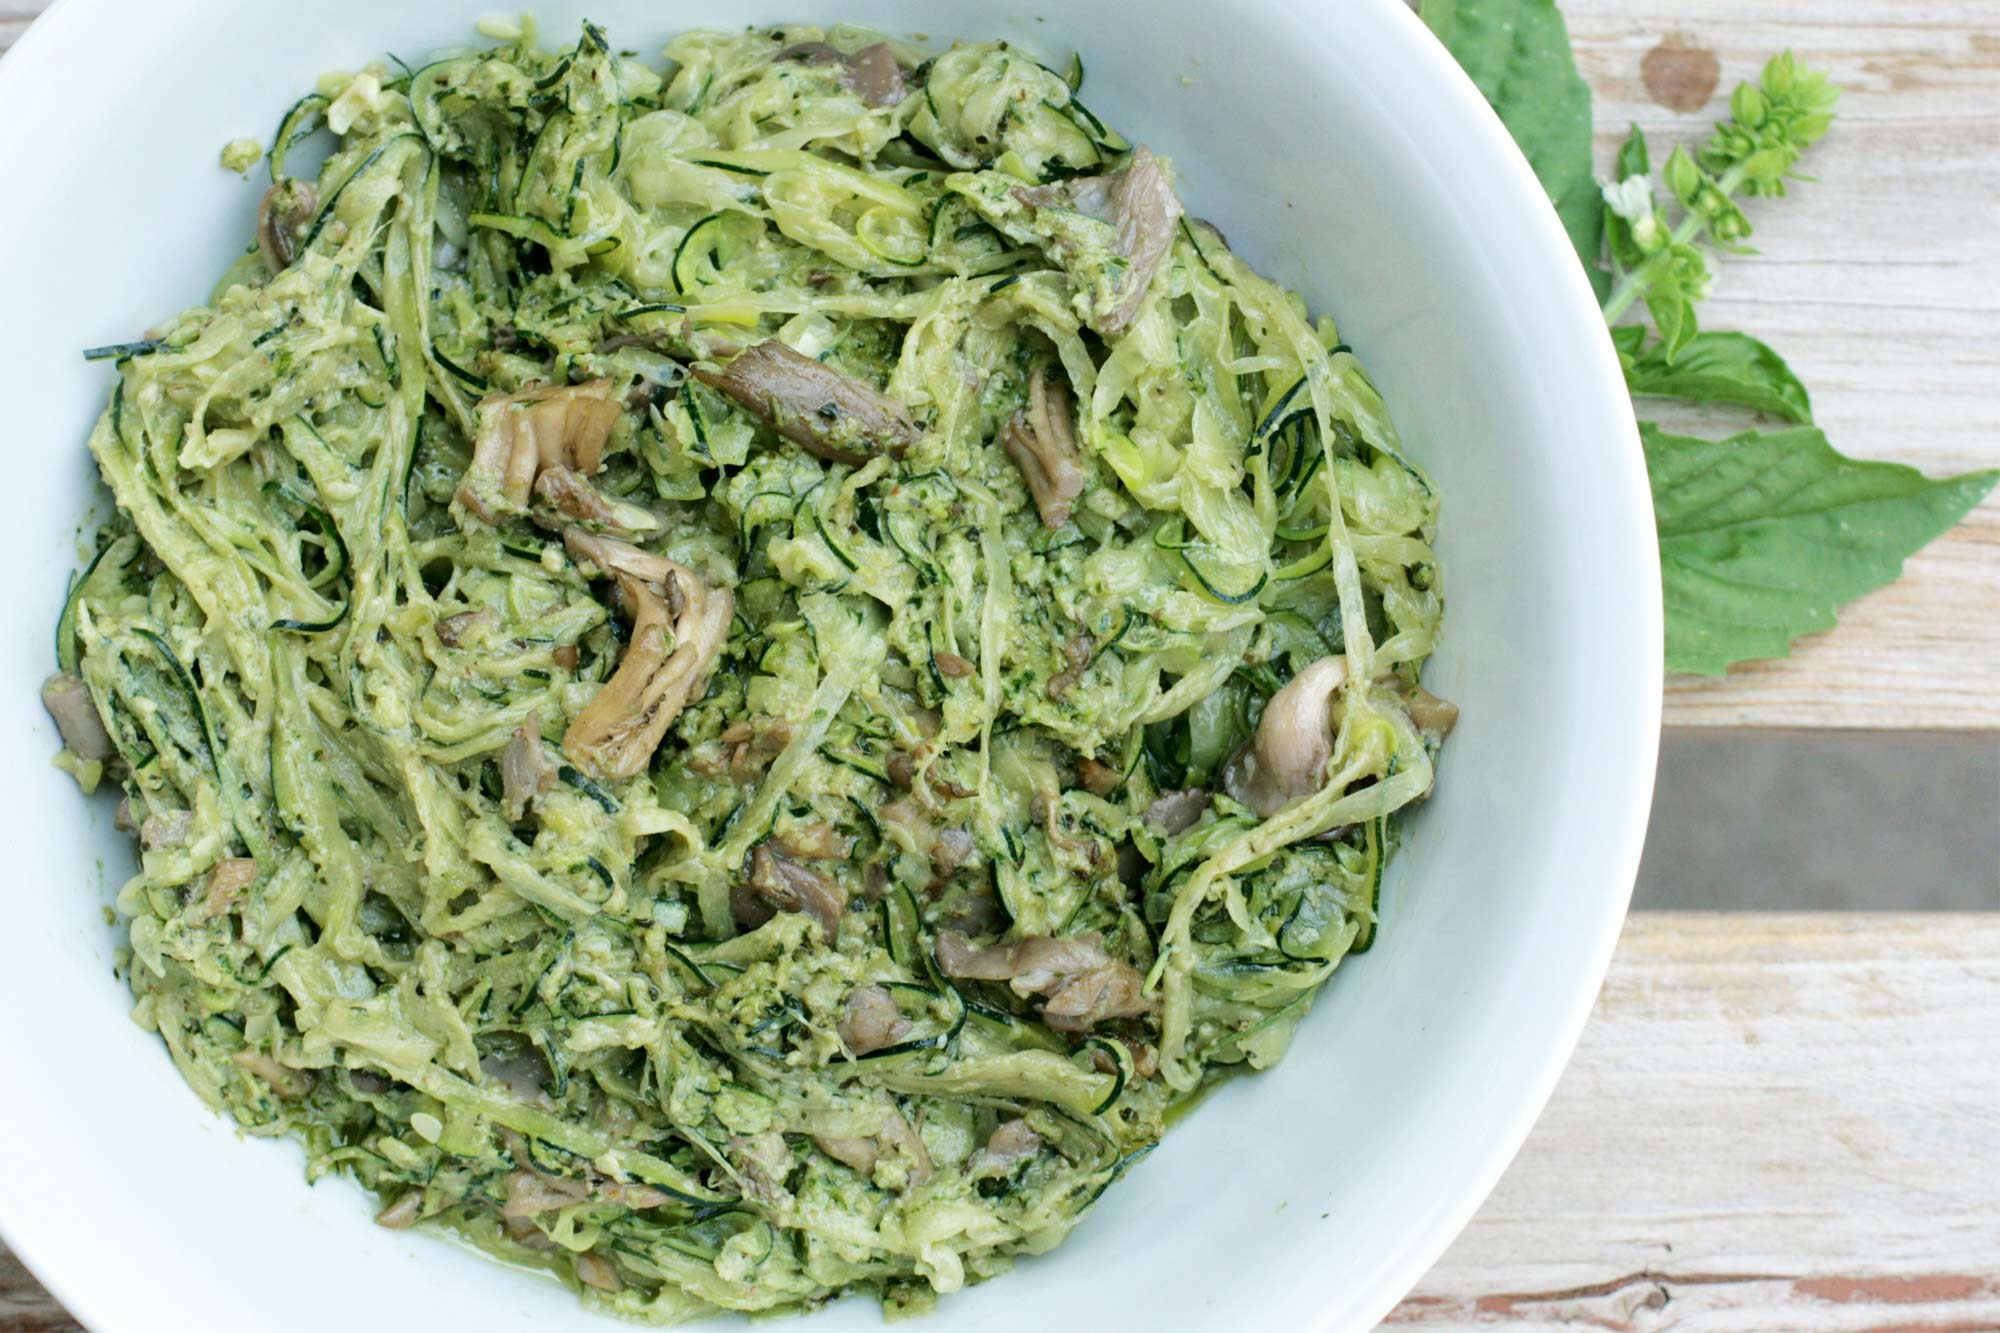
(1517,52)
(1764,534)
(1732,368)
(1671,305)
(1632,156)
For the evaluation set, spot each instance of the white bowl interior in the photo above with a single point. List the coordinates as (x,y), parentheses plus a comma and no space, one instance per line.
(1339,152)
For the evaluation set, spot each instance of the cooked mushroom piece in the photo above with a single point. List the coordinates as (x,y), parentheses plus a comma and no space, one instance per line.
(900,1137)
(594,1270)
(455,629)
(1082,984)
(861,1154)
(1176,811)
(286,207)
(611,558)
(1286,759)
(564,496)
(871,73)
(70,707)
(165,830)
(526,771)
(223,885)
(404,1212)
(896,1138)
(1041,439)
(288,1083)
(1139,201)
(1076,656)
(776,883)
(521,434)
(818,408)
(679,626)
(870,1020)
(1434,716)
(531,1193)
(1011,1142)
(1099,779)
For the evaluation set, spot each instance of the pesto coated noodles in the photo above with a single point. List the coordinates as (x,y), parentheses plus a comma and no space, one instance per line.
(732,682)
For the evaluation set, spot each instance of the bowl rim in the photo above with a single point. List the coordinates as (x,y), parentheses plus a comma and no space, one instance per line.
(32,63)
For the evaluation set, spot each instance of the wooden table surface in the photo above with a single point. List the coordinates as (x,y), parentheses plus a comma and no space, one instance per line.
(1781,1122)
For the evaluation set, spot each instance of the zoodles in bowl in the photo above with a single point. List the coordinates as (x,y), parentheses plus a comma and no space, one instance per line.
(737,681)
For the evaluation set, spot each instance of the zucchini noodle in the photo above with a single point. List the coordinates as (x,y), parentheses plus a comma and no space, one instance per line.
(736,679)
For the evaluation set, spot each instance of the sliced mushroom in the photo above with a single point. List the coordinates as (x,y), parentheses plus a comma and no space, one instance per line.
(776,883)
(900,1137)
(1099,779)
(1139,202)
(895,1138)
(404,1212)
(1433,716)
(1286,760)
(594,1270)
(223,885)
(871,74)
(1145,1060)
(678,628)
(286,207)
(70,707)
(763,1161)
(823,411)
(1076,655)
(1176,811)
(610,558)
(948,848)
(1012,1142)
(290,1084)
(521,434)
(1041,439)
(746,748)
(973,910)
(870,1020)
(531,1193)
(564,496)
(861,1154)
(452,630)
(526,771)
(165,830)
(1083,984)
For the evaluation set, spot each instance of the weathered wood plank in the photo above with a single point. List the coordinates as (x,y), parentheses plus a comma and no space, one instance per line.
(1881,284)
(24,1306)
(14,22)
(1772,1123)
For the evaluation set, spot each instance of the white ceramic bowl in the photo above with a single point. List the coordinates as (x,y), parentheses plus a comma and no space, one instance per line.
(1340,151)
